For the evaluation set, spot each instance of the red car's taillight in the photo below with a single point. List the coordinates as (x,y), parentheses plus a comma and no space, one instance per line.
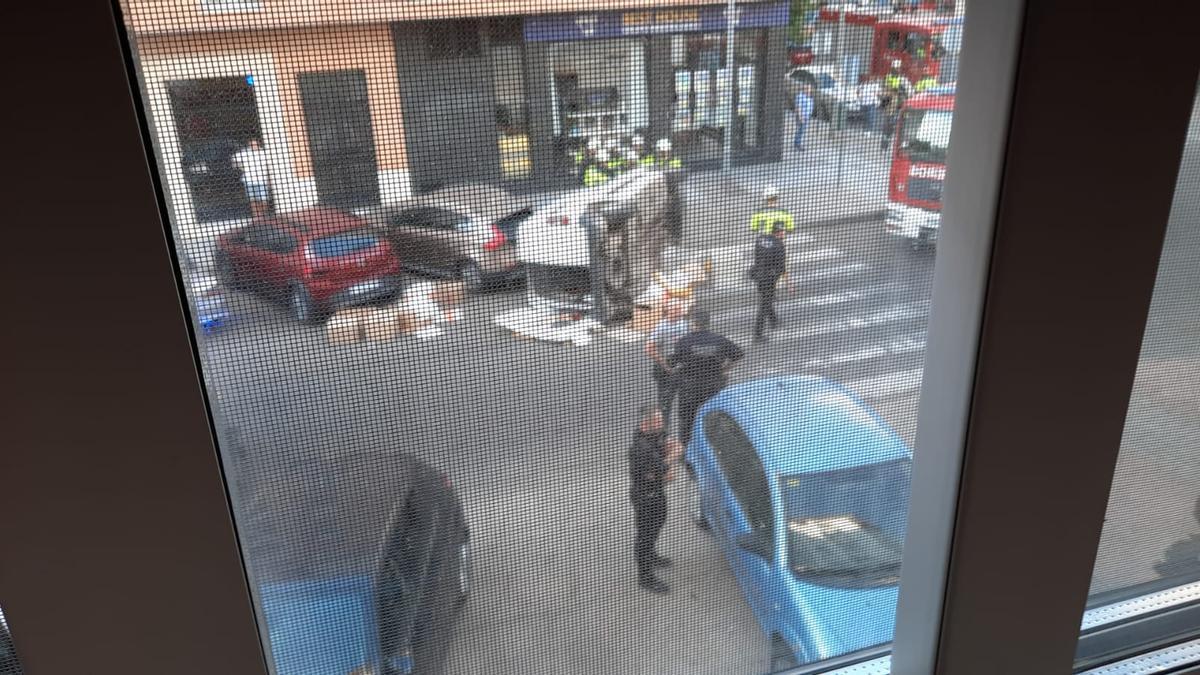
(498,239)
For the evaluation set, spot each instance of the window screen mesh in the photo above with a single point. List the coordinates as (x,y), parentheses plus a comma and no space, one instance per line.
(9,664)
(449,265)
(1151,536)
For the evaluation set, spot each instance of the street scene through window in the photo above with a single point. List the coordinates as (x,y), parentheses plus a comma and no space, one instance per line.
(580,341)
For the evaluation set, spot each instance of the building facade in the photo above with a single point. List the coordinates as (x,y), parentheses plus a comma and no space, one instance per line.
(357,103)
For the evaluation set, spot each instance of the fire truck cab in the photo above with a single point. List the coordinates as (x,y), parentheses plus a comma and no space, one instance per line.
(918,171)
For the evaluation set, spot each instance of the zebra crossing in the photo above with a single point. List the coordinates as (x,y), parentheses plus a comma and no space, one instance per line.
(858,314)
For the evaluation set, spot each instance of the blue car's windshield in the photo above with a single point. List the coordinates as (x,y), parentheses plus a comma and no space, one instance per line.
(846,527)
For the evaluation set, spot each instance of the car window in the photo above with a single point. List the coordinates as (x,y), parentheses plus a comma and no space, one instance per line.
(893,40)
(269,238)
(742,467)
(431,218)
(343,244)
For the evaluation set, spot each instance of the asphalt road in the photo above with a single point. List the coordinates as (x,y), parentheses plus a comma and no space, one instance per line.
(534,436)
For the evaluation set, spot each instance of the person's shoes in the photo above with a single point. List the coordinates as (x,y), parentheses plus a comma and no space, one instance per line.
(661,561)
(654,586)
(760,339)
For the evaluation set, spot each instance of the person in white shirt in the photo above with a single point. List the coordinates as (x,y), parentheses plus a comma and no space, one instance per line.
(869,93)
(256,176)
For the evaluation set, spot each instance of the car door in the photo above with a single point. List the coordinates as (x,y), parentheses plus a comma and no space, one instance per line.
(404,238)
(745,519)
(449,237)
(249,255)
(276,248)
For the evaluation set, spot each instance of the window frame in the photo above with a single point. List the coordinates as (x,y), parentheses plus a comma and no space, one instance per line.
(89,490)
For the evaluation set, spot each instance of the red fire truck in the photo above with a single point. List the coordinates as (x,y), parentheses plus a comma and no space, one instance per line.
(862,42)
(918,172)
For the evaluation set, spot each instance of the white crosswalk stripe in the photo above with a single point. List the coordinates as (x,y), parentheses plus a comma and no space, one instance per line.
(855,327)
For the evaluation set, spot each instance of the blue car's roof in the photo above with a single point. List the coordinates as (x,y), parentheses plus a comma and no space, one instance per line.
(803,424)
(320,627)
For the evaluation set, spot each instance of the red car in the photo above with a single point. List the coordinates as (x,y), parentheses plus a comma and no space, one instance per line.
(319,259)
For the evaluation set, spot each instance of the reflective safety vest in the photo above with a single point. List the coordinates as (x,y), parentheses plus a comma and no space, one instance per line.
(925,83)
(764,221)
(594,175)
(659,162)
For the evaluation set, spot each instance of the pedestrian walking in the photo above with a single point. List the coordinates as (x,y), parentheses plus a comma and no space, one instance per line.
(770,264)
(869,93)
(660,345)
(765,219)
(651,458)
(701,358)
(256,176)
(804,113)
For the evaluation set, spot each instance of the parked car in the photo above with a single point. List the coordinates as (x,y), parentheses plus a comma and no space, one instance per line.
(466,232)
(806,490)
(361,567)
(319,259)
(828,91)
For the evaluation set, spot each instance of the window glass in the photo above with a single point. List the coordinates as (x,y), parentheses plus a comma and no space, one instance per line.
(1151,536)
(344,244)
(437,445)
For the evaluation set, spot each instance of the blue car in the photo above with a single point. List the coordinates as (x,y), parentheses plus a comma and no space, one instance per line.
(361,568)
(806,490)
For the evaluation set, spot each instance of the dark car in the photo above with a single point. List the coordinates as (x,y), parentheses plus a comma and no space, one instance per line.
(361,566)
(319,259)
(466,232)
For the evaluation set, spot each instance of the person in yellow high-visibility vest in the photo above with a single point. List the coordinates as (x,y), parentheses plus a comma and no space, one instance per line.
(662,157)
(763,221)
(599,170)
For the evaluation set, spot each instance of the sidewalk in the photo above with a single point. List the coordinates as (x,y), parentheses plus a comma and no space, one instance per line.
(719,203)
(809,184)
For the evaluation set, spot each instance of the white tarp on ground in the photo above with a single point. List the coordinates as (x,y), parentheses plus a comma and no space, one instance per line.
(540,324)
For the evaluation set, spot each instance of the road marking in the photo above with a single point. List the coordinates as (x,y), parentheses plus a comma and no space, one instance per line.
(890,384)
(913,342)
(899,312)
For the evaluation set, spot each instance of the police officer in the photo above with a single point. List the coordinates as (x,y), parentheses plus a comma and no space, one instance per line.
(598,171)
(662,157)
(700,360)
(763,221)
(650,459)
(770,263)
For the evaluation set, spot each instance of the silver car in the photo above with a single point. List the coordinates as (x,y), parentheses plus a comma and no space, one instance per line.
(466,232)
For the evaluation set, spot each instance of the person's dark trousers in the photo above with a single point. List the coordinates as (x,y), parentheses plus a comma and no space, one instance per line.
(649,515)
(692,395)
(668,385)
(766,307)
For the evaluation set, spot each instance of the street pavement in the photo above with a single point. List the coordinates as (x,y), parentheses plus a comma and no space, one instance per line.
(534,436)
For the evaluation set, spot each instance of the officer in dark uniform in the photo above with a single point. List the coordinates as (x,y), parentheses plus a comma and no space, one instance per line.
(700,360)
(650,460)
(770,263)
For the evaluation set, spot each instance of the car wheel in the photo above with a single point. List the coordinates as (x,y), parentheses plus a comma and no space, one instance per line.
(464,569)
(695,505)
(301,304)
(782,657)
(471,277)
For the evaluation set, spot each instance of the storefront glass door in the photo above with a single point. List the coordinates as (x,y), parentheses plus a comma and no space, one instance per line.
(703,87)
